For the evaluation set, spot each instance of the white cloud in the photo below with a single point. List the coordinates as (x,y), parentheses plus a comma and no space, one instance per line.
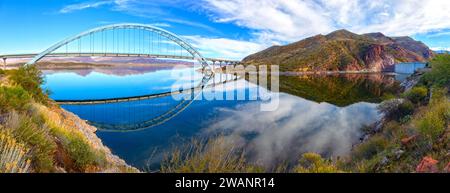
(294,124)
(438,34)
(284,21)
(222,47)
(291,20)
(440,48)
(81,6)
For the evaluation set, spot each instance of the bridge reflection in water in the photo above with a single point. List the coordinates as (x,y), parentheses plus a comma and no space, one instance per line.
(138,112)
(129,116)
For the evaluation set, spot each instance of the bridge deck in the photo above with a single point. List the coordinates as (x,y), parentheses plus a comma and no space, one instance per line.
(115,55)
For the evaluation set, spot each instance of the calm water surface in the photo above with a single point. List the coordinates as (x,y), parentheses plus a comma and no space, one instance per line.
(322,114)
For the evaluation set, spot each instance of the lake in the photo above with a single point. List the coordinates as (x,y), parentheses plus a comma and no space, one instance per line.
(322,114)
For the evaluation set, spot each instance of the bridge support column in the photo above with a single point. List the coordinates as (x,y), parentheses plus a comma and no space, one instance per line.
(220,66)
(4,63)
(214,68)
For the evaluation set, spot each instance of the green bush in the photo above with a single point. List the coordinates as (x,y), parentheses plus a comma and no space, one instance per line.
(13,98)
(314,163)
(433,121)
(370,148)
(30,78)
(396,109)
(79,150)
(440,71)
(417,94)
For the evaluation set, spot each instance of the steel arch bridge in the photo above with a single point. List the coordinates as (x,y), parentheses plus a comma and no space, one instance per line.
(169,35)
(120,40)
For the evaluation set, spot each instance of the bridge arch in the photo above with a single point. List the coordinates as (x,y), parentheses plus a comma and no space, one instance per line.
(164,33)
(207,71)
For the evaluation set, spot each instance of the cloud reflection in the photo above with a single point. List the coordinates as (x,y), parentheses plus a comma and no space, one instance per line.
(297,126)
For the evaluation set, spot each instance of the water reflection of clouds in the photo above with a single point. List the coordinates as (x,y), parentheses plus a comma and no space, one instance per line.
(297,126)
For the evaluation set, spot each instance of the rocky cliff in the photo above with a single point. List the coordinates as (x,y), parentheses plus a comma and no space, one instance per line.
(343,51)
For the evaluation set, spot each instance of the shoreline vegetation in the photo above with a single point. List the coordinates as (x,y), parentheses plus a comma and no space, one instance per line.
(38,136)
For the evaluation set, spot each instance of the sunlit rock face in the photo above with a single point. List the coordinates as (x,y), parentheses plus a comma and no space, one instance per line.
(343,50)
(298,126)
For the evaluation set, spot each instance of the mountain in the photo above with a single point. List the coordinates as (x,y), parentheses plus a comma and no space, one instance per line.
(442,51)
(343,51)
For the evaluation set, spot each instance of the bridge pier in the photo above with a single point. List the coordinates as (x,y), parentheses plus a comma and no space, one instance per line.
(214,68)
(4,63)
(214,64)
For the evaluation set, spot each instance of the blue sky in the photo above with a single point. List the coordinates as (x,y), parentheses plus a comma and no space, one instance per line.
(223,28)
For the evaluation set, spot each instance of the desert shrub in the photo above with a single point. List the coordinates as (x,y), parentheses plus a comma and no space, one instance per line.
(13,155)
(432,121)
(440,71)
(217,155)
(79,150)
(13,98)
(417,94)
(396,109)
(387,96)
(370,148)
(30,78)
(314,163)
(392,130)
(27,129)
(73,141)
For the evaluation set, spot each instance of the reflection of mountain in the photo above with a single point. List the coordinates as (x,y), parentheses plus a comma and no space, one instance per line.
(110,60)
(341,90)
(119,70)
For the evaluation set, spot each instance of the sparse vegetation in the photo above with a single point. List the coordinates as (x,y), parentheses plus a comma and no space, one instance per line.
(417,94)
(13,155)
(314,163)
(13,98)
(217,155)
(432,121)
(28,129)
(395,109)
(34,136)
(406,139)
(30,79)
(440,70)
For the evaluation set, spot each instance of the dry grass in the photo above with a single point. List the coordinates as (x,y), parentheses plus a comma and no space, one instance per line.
(13,155)
(217,155)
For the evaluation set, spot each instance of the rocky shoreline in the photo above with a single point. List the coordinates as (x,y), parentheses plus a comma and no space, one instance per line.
(406,85)
(114,163)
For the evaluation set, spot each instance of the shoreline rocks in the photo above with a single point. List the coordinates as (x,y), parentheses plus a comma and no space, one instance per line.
(114,163)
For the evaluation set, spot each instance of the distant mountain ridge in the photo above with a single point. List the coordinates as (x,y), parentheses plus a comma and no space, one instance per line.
(343,50)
